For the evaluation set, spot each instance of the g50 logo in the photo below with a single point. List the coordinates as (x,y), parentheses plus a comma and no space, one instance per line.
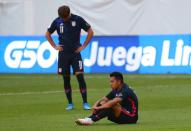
(25,54)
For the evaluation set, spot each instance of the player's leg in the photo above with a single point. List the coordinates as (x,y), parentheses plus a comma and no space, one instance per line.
(113,114)
(64,69)
(78,69)
(122,116)
(68,91)
(83,89)
(107,112)
(96,115)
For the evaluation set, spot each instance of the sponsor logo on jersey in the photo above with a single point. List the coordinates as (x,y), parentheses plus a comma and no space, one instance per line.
(73,23)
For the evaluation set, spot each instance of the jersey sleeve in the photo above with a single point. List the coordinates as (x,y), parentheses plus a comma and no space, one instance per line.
(110,95)
(84,25)
(52,27)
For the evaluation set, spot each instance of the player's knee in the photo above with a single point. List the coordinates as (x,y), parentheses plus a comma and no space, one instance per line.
(81,80)
(66,75)
(78,73)
(117,110)
(66,79)
(102,102)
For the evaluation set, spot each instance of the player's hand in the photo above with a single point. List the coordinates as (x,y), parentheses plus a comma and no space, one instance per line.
(93,107)
(96,107)
(58,47)
(79,49)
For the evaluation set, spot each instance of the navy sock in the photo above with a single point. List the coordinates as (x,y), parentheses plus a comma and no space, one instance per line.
(82,86)
(97,115)
(67,88)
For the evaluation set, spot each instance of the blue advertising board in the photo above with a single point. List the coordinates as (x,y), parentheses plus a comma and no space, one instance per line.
(152,54)
(173,54)
(27,55)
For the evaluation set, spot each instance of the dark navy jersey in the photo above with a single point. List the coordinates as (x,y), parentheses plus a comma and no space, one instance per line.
(129,98)
(69,31)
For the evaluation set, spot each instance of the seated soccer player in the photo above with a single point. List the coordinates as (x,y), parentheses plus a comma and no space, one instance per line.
(120,105)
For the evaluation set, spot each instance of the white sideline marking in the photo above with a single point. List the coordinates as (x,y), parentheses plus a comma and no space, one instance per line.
(29,93)
(97,76)
(25,76)
(37,93)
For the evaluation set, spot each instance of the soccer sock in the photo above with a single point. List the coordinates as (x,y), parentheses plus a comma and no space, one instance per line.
(97,115)
(67,88)
(82,86)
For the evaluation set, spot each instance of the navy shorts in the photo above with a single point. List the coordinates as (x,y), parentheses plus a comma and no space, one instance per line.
(124,118)
(65,61)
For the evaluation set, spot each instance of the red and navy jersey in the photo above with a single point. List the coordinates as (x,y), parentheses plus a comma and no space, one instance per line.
(69,31)
(129,99)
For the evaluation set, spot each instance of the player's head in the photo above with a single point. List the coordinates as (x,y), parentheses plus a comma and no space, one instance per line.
(116,80)
(64,12)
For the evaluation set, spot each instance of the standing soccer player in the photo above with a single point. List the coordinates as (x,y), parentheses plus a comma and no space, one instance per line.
(120,105)
(68,27)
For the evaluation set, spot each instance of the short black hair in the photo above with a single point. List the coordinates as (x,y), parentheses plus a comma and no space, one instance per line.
(64,11)
(117,76)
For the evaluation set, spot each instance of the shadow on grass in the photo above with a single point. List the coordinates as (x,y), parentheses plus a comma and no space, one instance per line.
(112,124)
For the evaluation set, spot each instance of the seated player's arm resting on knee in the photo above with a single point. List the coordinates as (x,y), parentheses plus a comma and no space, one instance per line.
(110,103)
(103,100)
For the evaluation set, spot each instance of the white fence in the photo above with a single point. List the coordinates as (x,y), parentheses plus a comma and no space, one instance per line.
(107,17)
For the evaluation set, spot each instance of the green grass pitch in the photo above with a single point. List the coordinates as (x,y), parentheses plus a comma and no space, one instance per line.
(37,103)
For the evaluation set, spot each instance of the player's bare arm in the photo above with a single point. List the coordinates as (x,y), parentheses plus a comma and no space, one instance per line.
(86,42)
(50,40)
(102,101)
(109,104)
